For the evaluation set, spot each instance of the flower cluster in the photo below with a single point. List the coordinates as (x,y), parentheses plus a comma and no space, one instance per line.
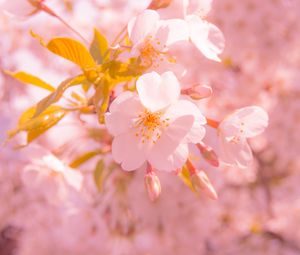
(135,102)
(153,117)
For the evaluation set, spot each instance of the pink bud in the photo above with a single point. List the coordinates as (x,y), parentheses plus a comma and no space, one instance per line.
(158,4)
(35,3)
(21,8)
(201,182)
(208,154)
(152,184)
(198,92)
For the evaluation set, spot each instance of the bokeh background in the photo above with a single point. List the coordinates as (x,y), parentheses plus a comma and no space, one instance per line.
(258,210)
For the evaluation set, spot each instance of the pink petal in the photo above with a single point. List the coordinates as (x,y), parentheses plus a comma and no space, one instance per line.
(254,119)
(186,108)
(157,92)
(201,7)
(169,161)
(123,110)
(142,25)
(128,150)
(126,102)
(117,122)
(169,153)
(206,37)
(230,127)
(236,154)
(171,31)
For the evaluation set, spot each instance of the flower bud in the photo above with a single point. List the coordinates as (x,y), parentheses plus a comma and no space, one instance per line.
(201,182)
(159,4)
(21,8)
(153,187)
(198,92)
(208,154)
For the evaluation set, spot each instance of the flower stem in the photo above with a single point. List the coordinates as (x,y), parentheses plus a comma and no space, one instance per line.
(48,10)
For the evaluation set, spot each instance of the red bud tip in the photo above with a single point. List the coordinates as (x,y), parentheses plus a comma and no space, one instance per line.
(159,4)
(208,154)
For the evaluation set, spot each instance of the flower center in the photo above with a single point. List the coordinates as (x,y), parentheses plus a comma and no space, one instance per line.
(149,125)
(150,55)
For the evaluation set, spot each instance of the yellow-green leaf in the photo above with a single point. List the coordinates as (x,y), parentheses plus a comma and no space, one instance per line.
(30,79)
(99,47)
(72,50)
(118,71)
(101,98)
(58,93)
(39,125)
(27,115)
(99,174)
(84,158)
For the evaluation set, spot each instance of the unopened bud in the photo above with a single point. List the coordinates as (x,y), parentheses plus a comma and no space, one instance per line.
(159,4)
(153,187)
(201,183)
(208,154)
(198,92)
(35,3)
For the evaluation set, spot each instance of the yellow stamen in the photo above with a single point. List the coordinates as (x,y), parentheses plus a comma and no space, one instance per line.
(149,125)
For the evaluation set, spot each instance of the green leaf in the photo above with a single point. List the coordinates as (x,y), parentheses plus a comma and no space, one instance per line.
(72,50)
(99,48)
(84,158)
(39,125)
(30,79)
(58,93)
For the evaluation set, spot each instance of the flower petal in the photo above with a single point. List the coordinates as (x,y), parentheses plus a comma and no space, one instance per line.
(235,154)
(206,37)
(171,31)
(201,7)
(254,119)
(170,153)
(184,108)
(142,25)
(117,122)
(122,110)
(126,102)
(157,92)
(128,151)
(169,161)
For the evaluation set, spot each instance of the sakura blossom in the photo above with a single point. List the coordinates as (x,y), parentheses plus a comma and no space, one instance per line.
(234,130)
(154,126)
(152,37)
(149,127)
